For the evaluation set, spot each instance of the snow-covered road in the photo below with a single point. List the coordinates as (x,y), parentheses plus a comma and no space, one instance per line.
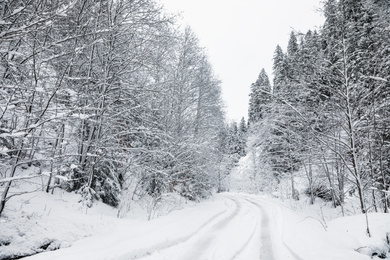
(241,232)
(231,226)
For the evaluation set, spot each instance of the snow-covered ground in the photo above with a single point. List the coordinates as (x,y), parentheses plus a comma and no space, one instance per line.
(231,225)
(228,226)
(319,232)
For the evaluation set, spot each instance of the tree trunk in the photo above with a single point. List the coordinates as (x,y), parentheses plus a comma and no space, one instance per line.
(8,185)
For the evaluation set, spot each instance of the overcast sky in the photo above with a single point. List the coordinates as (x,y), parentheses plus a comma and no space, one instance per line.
(241,36)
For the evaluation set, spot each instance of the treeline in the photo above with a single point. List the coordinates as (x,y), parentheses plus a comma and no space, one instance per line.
(327,113)
(108,98)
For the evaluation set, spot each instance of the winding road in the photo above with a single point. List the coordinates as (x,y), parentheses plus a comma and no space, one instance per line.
(243,231)
(233,226)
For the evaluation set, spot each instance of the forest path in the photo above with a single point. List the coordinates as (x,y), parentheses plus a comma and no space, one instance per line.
(230,226)
(234,235)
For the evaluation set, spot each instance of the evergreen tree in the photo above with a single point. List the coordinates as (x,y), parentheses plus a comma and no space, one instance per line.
(279,68)
(260,97)
(292,47)
(243,126)
(243,136)
(329,105)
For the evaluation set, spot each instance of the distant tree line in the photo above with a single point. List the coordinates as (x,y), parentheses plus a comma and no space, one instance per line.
(327,113)
(108,98)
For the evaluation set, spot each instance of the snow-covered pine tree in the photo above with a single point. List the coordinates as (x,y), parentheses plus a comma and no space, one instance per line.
(259,98)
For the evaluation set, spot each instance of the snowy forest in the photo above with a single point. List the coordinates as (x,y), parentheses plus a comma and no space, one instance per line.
(115,144)
(326,113)
(111,99)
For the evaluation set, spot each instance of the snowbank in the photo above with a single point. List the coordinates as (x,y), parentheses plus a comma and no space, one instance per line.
(319,232)
(39,221)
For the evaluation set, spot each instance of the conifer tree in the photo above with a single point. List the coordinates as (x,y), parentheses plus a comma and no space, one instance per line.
(260,97)
(279,68)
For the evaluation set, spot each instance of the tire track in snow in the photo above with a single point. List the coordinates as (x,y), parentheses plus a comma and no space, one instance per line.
(290,250)
(266,250)
(246,244)
(292,253)
(165,245)
(204,242)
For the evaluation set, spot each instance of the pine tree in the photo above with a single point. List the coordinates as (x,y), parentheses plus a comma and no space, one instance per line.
(279,68)
(260,98)
(243,136)
(243,126)
(329,105)
(292,47)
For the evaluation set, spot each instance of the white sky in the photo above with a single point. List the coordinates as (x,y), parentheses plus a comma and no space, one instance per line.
(241,36)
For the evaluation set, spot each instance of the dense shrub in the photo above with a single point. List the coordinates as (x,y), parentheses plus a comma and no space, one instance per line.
(320,191)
